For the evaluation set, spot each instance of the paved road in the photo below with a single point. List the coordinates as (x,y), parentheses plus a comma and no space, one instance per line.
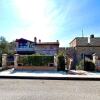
(17,89)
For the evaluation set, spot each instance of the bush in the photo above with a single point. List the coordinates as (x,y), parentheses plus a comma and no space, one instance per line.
(80,65)
(36,60)
(89,66)
(61,63)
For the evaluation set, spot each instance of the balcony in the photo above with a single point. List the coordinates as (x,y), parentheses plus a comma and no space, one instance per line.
(24,49)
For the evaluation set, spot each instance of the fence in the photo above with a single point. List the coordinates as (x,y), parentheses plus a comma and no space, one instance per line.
(36,62)
(27,62)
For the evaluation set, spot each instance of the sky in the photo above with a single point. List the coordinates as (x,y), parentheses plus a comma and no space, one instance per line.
(49,20)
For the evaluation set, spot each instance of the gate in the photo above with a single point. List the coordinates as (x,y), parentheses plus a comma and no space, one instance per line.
(10,61)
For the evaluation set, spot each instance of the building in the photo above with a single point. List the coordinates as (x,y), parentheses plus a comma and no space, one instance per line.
(24,46)
(84,46)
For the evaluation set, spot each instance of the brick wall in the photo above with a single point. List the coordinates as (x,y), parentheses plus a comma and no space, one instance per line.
(73,43)
(43,68)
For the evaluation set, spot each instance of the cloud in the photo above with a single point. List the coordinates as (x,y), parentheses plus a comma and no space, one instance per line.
(49,20)
(33,14)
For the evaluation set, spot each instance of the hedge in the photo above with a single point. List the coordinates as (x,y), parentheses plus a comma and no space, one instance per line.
(36,60)
(80,65)
(61,63)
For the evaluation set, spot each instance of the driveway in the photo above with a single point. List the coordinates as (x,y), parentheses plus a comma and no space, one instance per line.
(25,89)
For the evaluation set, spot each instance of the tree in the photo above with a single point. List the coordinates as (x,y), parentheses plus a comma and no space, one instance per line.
(11,47)
(3,45)
(6,47)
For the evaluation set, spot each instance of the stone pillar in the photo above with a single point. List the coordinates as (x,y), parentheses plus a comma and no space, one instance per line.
(70,63)
(94,56)
(16,60)
(55,60)
(95,59)
(4,61)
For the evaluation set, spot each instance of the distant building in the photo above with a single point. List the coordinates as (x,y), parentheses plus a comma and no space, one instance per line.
(24,46)
(85,45)
(81,46)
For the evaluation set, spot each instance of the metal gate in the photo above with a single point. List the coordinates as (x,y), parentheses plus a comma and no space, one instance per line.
(10,61)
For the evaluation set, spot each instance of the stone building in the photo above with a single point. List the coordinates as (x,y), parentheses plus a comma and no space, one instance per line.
(81,46)
(85,45)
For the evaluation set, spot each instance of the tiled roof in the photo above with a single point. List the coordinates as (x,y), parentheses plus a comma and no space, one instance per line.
(22,39)
(41,43)
(48,43)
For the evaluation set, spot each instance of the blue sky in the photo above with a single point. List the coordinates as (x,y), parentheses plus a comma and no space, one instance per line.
(49,20)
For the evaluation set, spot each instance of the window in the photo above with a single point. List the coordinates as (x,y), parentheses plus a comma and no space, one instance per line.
(22,45)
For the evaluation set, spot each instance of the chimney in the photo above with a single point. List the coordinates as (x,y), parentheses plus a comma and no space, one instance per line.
(39,41)
(92,36)
(35,39)
(57,41)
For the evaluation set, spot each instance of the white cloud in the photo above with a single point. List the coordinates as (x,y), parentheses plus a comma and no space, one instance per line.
(33,13)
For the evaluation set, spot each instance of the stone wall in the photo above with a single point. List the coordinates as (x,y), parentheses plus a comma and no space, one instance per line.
(87,50)
(4,61)
(47,49)
(36,68)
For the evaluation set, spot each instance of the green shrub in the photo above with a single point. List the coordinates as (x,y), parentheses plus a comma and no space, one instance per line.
(61,63)
(80,65)
(36,60)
